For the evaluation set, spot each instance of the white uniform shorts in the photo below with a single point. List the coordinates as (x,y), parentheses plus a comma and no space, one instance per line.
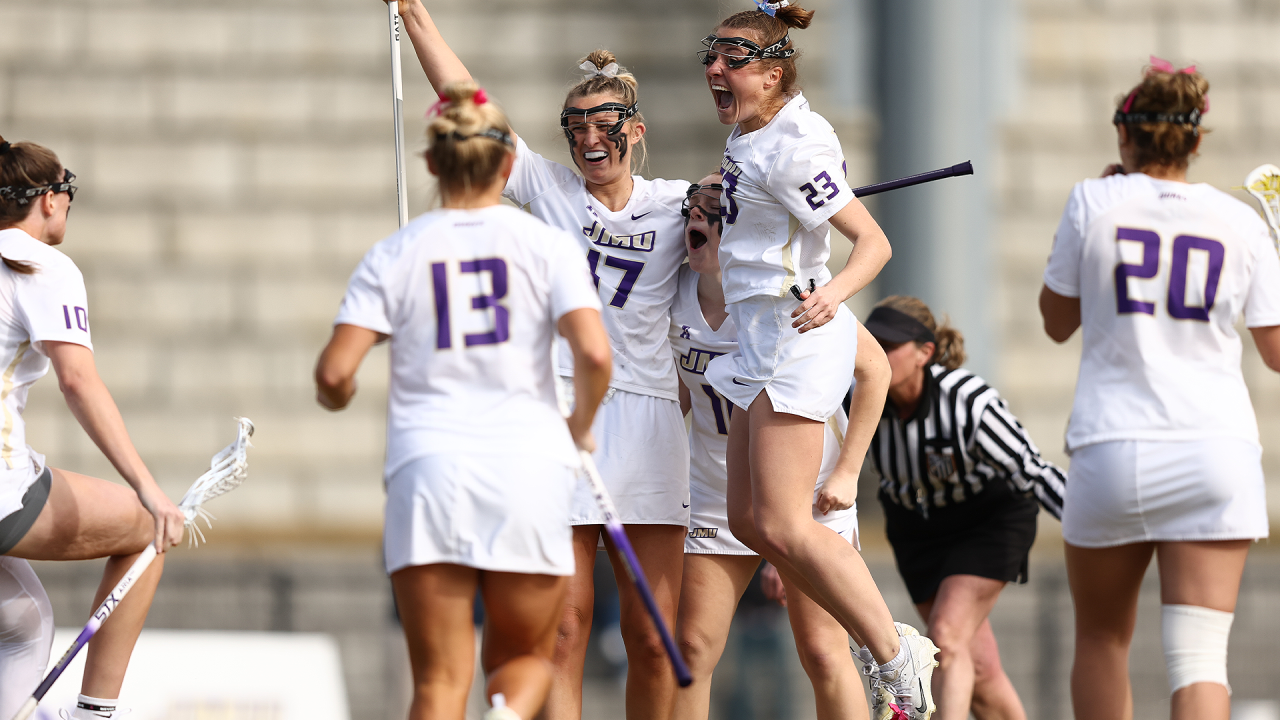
(806,375)
(1132,491)
(709,514)
(500,512)
(642,453)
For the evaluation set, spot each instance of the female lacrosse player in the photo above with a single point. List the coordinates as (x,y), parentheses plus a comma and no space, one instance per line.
(471,296)
(959,480)
(47,513)
(630,232)
(1163,440)
(717,567)
(784,188)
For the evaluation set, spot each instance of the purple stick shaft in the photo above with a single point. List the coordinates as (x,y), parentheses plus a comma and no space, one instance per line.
(964,168)
(636,573)
(81,640)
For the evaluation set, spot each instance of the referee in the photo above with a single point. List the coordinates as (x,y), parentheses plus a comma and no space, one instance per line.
(959,481)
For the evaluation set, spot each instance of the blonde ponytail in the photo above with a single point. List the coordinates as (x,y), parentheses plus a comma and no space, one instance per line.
(468,140)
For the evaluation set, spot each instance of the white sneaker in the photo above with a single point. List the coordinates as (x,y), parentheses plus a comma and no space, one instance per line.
(912,684)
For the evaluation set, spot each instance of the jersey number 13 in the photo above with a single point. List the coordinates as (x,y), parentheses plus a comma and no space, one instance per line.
(497,269)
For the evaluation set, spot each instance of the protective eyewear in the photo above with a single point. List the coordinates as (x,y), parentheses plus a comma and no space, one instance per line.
(609,127)
(704,197)
(738,52)
(23,195)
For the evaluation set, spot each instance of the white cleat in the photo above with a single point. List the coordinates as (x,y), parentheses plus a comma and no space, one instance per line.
(912,684)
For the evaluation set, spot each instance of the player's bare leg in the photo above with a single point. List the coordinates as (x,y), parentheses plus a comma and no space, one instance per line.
(651,682)
(994,697)
(564,700)
(436,604)
(785,453)
(522,613)
(954,616)
(1204,574)
(1104,589)
(709,594)
(823,646)
(84,518)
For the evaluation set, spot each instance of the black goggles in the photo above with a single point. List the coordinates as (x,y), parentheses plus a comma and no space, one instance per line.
(710,208)
(22,196)
(625,113)
(753,51)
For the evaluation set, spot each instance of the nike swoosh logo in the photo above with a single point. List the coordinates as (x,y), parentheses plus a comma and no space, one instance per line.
(637,217)
(735,382)
(684,505)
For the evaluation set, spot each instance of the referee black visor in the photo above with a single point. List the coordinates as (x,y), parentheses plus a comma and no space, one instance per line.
(895,327)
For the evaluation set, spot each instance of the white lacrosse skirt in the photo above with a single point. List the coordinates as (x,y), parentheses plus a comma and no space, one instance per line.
(804,374)
(642,453)
(709,512)
(496,512)
(1131,491)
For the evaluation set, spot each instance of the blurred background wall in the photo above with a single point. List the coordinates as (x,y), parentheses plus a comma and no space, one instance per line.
(235,162)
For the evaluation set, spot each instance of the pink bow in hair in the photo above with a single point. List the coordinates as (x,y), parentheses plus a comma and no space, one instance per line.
(480,98)
(1165,66)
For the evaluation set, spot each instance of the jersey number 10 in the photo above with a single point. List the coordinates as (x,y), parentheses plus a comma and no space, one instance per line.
(497,269)
(1150,266)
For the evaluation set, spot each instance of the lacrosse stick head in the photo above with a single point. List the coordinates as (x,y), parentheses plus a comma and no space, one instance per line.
(1264,184)
(226,471)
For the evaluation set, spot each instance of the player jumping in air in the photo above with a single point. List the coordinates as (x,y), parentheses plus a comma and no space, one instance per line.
(630,231)
(1165,458)
(717,567)
(784,188)
(472,296)
(47,513)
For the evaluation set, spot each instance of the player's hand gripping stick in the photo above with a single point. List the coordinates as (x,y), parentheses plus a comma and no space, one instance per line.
(226,471)
(631,563)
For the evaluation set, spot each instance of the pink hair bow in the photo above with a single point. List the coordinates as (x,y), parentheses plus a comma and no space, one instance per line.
(1160,65)
(480,98)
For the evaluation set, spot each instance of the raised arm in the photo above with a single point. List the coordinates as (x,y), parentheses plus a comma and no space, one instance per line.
(437,58)
(93,407)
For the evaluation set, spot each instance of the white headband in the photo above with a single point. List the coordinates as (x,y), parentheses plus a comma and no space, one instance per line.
(610,70)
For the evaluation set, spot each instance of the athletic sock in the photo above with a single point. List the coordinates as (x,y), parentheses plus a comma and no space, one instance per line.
(889,670)
(92,708)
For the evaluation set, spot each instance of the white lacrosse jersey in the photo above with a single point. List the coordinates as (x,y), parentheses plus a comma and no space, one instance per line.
(694,344)
(1163,271)
(633,255)
(49,304)
(782,183)
(471,299)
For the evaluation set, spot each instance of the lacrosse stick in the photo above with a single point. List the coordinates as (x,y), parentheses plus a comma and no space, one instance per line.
(964,168)
(1264,184)
(397,102)
(226,471)
(618,534)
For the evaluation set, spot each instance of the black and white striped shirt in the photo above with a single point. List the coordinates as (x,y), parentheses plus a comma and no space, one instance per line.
(961,437)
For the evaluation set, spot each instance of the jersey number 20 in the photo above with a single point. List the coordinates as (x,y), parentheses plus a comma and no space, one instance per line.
(1150,266)
(497,269)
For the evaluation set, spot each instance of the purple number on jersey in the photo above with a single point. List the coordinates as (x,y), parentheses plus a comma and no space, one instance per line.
(730,211)
(1177,296)
(812,192)
(721,426)
(1150,265)
(497,268)
(631,270)
(1182,247)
